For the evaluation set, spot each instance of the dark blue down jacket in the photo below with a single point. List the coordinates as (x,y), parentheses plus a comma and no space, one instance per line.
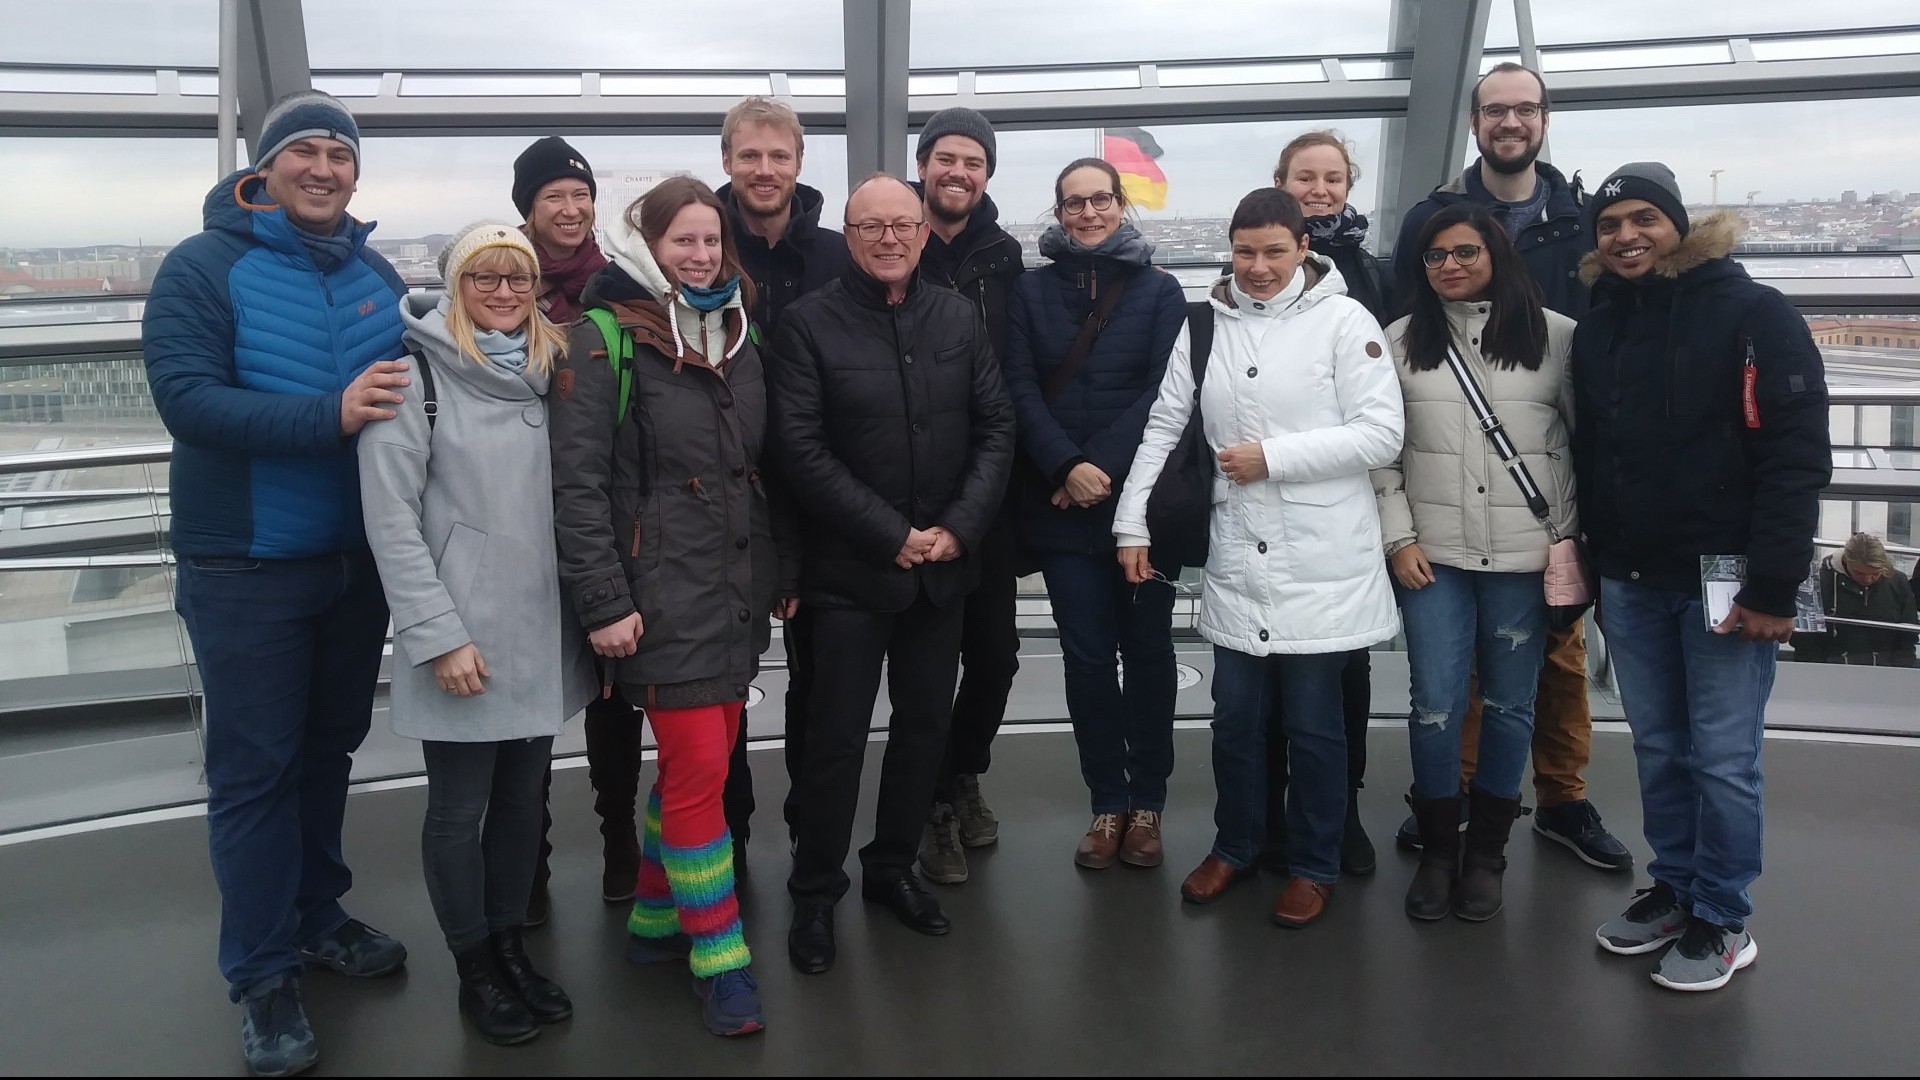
(249,345)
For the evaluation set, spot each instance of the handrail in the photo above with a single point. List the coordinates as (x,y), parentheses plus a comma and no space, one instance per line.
(1873,395)
(92,457)
(1875,624)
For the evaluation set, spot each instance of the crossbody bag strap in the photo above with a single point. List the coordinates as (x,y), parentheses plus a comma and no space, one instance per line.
(429,401)
(1496,434)
(1082,345)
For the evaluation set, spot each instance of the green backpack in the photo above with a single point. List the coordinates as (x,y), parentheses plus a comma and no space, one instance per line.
(620,351)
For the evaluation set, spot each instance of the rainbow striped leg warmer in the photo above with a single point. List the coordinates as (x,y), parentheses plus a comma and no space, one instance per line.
(654,915)
(702,880)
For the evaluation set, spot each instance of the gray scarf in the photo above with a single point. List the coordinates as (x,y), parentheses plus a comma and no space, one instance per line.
(1124,244)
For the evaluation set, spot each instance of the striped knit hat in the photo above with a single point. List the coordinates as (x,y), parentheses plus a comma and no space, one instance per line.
(477,238)
(305,114)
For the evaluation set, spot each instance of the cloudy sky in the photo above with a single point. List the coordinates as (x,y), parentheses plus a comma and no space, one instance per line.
(74,191)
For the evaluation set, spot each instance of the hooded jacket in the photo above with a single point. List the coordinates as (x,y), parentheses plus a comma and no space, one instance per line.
(1100,415)
(1552,246)
(890,417)
(1294,563)
(1669,466)
(665,510)
(981,264)
(460,517)
(807,256)
(249,344)
(1449,491)
(1888,600)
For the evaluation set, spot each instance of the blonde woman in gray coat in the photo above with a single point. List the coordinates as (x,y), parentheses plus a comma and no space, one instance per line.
(1467,554)
(459,508)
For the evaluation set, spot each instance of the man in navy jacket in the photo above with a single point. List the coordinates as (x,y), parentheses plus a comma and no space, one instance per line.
(270,341)
(1701,432)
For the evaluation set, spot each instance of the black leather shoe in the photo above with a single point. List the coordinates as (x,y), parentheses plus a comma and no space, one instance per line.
(810,942)
(909,902)
(543,997)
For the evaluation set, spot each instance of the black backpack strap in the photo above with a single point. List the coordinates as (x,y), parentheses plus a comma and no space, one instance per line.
(429,401)
(1199,339)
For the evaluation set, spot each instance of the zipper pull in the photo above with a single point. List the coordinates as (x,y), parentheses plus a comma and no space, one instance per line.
(635,553)
(1749,402)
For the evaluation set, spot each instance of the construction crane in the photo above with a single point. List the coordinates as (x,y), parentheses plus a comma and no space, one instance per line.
(1750,196)
(1715,176)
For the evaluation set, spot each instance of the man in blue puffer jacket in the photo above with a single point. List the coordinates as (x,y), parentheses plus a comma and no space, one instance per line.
(270,341)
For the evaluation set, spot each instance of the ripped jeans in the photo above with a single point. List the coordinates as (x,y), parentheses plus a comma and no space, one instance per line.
(1500,619)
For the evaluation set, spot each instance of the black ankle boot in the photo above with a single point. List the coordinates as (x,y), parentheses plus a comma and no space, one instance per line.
(1489,821)
(1430,896)
(497,1015)
(620,867)
(544,1000)
(1356,850)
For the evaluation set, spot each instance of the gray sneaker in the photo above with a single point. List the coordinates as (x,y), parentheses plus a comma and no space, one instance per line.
(978,826)
(1705,957)
(1651,920)
(942,859)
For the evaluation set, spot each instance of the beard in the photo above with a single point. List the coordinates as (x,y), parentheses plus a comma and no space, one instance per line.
(938,207)
(1510,167)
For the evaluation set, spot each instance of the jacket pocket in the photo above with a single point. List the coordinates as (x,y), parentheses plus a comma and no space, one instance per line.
(460,562)
(1331,531)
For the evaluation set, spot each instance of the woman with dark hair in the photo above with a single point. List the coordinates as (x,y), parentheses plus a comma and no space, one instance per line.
(1467,552)
(667,543)
(1080,407)
(1298,403)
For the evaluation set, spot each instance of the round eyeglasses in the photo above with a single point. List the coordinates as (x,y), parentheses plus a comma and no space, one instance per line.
(1463,254)
(1099,200)
(486,281)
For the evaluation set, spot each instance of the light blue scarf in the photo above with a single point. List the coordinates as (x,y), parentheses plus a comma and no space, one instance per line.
(507,351)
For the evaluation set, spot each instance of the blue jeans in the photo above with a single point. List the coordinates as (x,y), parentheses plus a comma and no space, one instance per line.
(1306,691)
(1695,701)
(1500,620)
(288,650)
(1125,735)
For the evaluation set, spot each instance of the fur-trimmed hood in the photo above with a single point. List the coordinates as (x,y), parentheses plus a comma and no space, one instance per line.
(1713,236)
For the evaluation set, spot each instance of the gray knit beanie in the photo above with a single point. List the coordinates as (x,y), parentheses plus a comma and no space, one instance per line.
(1649,180)
(305,114)
(957,121)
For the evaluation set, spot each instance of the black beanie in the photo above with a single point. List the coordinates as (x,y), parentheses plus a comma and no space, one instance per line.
(957,121)
(1649,180)
(541,164)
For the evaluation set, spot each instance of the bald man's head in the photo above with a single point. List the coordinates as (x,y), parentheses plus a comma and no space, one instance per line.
(886,231)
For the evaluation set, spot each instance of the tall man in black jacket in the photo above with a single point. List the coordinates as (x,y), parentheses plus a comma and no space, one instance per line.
(1701,430)
(896,438)
(969,252)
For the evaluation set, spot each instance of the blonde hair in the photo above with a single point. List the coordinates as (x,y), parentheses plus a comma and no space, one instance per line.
(545,341)
(1327,137)
(762,110)
(1865,550)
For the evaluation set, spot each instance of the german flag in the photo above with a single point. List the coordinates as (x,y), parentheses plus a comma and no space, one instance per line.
(1132,151)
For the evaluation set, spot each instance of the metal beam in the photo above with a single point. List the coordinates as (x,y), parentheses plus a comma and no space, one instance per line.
(229,130)
(273,59)
(1446,60)
(876,104)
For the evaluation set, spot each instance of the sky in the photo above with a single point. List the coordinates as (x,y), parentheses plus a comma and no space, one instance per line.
(77,191)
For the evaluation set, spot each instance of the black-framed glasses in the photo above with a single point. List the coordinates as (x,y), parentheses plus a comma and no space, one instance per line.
(1526,110)
(487,281)
(1099,200)
(1463,254)
(871,231)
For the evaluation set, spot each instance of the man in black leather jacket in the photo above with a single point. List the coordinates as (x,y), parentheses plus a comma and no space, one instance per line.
(895,436)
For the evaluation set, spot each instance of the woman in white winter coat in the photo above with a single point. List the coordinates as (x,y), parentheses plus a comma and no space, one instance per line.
(1298,402)
(1467,553)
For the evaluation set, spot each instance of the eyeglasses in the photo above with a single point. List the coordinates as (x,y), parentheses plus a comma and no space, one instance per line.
(871,231)
(1463,254)
(1100,200)
(1526,110)
(487,282)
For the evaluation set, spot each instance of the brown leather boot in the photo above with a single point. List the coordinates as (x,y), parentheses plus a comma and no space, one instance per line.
(1211,878)
(1301,902)
(1101,844)
(1141,844)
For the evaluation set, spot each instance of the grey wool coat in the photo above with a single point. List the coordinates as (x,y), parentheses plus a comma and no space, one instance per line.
(460,517)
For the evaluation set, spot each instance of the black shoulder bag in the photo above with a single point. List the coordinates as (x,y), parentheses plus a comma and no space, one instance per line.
(1181,503)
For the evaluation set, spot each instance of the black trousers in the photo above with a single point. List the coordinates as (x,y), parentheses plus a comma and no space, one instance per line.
(477,840)
(1356,700)
(798,636)
(989,659)
(920,650)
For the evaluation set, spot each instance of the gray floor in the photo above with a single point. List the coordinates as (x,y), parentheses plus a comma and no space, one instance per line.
(106,943)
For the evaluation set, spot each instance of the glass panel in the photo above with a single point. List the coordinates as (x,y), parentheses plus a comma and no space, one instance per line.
(348,85)
(1846,182)
(1825,47)
(104,210)
(78,82)
(1626,20)
(933,84)
(489,85)
(1356,70)
(811,86)
(690,85)
(1010,82)
(987,33)
(192,85)
(157,33)
(593,35)
(1903,459)
(1239,74)
(1640,56)
(1877,350)
(1208,167)
(72,406)
(1855,266)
